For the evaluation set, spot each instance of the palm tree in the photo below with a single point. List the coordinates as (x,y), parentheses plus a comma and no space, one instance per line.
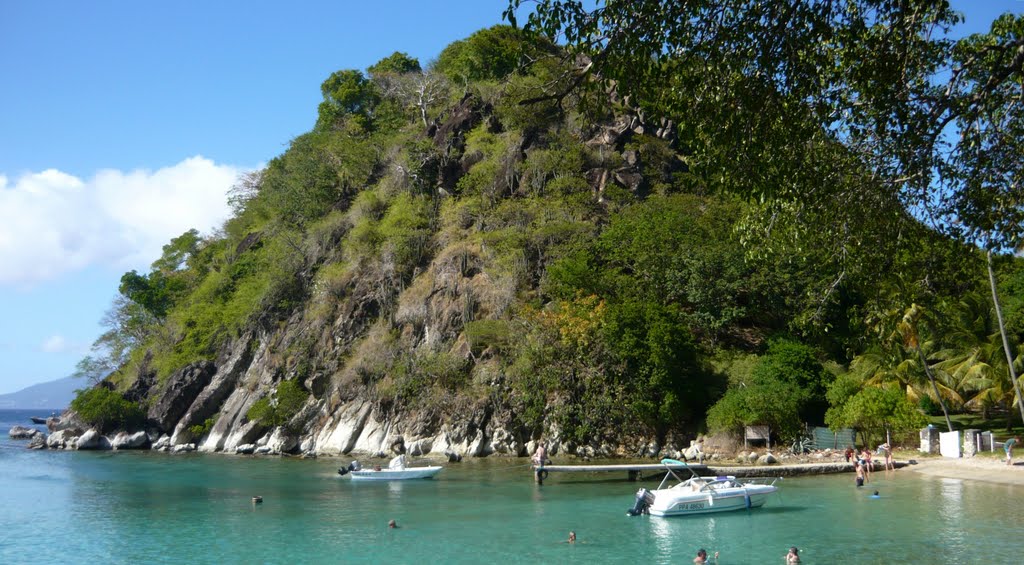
(1002,333)
(885,364)
(907,330)
(973,357)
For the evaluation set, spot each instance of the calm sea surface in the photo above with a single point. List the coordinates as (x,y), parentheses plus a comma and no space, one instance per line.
(141,507)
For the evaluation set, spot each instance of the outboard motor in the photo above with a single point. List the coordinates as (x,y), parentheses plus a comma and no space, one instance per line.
(353,466)
(643,500)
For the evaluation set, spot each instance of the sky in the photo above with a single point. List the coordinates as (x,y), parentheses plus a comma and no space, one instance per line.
(123,124)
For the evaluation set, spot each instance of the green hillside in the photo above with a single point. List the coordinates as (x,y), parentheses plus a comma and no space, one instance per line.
(567,253)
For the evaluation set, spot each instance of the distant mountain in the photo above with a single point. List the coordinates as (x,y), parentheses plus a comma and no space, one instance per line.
(50,395)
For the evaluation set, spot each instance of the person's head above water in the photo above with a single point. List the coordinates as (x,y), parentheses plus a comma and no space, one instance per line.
(572,536)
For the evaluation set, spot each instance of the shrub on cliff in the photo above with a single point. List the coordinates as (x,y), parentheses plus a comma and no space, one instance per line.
(107,410)
(279,408)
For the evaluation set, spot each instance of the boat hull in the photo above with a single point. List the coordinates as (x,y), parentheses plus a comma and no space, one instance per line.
(667,505)
(395,474)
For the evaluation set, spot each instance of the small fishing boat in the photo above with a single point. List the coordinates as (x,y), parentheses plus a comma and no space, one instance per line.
(38,420)
(701,495)
(397,470)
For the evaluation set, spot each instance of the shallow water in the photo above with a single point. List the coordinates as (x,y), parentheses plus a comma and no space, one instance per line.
(137,507)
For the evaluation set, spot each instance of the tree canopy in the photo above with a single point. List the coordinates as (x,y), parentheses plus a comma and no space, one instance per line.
(753,86)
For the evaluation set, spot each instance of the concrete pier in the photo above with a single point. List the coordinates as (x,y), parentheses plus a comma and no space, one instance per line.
(635,470)
(632,470)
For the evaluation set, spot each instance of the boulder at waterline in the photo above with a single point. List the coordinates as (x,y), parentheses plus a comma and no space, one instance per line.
(92,439)
(22,432)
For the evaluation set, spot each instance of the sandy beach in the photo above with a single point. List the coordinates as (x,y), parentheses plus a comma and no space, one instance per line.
(974,469)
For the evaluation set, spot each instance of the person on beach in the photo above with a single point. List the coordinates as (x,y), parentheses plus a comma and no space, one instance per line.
(849,454)
(702,556)
(887,452)
(793,556)
(1008,447)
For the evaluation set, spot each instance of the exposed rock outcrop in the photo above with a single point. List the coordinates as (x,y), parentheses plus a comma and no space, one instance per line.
(23,432)
(92,440)
(280,441)
(163,443)
(37,442)
(220,386)
(179,393)
(63,439)
(125,440)
(67,421)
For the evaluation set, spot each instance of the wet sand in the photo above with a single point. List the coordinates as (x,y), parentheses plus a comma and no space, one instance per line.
(984,469)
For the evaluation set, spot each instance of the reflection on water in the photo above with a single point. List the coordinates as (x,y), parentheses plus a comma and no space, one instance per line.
(950,508)
(662,532)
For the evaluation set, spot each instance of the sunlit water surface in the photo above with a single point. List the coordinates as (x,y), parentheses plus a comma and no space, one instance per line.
(141,507)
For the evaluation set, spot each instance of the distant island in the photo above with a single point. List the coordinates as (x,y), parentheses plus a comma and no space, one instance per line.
(48,395)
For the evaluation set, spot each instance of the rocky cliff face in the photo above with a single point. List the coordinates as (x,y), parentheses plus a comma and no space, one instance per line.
(338,423)
(334,348)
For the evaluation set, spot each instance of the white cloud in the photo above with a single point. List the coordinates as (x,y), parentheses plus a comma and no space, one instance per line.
(55,344)
(52,223)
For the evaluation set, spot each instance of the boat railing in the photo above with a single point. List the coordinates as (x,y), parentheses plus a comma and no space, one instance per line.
(717,482)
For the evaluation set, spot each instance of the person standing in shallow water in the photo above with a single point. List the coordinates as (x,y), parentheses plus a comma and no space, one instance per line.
(540,457)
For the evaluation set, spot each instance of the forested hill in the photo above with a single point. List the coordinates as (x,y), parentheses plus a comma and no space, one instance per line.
(474,255)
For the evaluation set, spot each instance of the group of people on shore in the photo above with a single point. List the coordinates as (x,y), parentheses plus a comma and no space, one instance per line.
(863,462)
(793,556)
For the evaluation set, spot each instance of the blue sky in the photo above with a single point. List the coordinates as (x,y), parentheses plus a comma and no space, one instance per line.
(122,124)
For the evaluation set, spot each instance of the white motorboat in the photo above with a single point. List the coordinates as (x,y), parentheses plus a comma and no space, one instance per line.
(701,495)
(397,470)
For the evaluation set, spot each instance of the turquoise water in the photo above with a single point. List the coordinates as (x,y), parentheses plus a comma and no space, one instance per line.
(141,507)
